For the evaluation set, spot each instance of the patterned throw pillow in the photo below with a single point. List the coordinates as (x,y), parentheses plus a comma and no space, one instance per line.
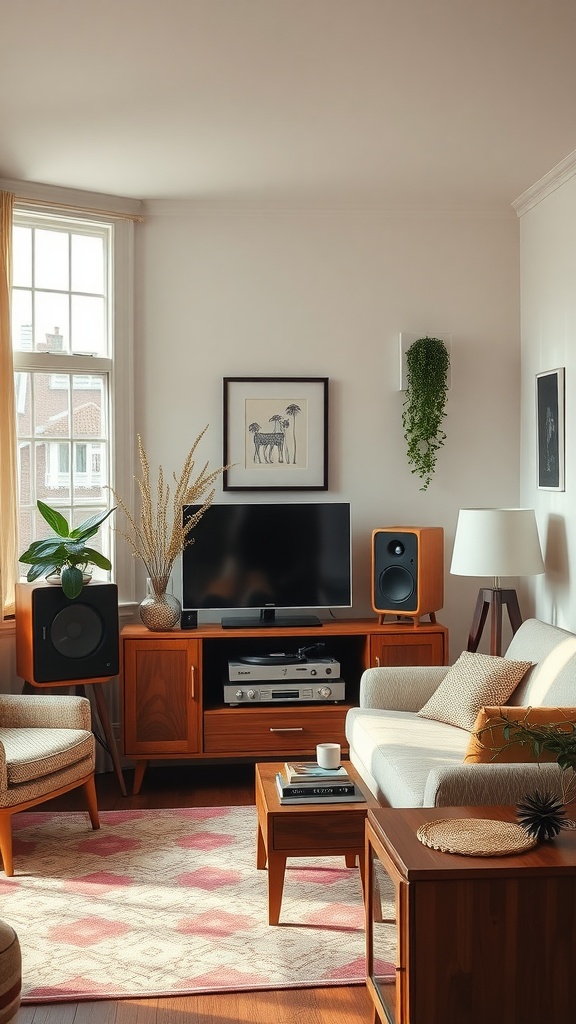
(488,743)
(473,681)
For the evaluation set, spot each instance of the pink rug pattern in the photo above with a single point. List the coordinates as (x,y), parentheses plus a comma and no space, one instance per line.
(168,902)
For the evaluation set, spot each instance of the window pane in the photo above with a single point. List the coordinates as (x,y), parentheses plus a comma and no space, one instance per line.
(87,264)
(25,473)
(80,458)
(51,327)
(52,480)
(88,327)
(51,404)
(88,397)
(25,535)
(51,268)
(63,455)
(22,257)
(22,388)
(21,321)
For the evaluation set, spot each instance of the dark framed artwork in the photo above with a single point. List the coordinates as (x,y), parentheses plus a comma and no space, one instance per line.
(275,433)
(550,429)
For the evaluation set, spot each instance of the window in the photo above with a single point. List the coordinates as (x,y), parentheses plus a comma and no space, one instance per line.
(66,325)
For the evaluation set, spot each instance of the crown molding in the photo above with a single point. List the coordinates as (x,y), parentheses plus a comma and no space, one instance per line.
(559,174)
(57,195)
(188,207)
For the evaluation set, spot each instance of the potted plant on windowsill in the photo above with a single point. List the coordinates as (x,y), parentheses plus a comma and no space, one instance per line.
(66,556)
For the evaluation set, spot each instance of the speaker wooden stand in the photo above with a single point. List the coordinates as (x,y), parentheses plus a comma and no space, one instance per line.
(408,572)
(64,644)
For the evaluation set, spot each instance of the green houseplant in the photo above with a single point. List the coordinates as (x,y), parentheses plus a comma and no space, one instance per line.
(424,407)
(541,813)
(67,554)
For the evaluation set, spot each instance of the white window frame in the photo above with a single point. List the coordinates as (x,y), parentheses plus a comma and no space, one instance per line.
(119,364)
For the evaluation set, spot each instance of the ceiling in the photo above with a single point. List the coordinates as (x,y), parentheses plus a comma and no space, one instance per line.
(402,103)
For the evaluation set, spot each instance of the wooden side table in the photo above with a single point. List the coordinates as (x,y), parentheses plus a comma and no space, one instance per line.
(478,939)
(305,830)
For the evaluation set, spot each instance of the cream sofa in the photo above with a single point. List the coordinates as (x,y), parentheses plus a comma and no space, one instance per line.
(410,761)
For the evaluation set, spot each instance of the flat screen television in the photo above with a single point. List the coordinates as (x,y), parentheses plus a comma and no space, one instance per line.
(273,558)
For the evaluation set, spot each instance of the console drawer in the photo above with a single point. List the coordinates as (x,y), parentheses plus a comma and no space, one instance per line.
(270,731)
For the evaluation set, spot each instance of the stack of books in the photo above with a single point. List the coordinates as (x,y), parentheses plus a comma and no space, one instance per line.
(306,782)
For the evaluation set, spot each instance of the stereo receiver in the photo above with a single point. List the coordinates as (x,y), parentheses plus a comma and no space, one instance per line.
(271,692)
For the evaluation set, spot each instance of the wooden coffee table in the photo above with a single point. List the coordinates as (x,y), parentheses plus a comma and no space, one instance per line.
(305,830)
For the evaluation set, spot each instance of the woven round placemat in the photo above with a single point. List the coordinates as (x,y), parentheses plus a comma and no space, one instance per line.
(475,837)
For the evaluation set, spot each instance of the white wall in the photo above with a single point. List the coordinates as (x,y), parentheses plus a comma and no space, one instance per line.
(255,293)
(548,305)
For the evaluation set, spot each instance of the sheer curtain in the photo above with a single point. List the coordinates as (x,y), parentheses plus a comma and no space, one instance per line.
(8,478)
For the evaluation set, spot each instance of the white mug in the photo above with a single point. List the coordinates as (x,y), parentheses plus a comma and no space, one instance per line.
(328,755)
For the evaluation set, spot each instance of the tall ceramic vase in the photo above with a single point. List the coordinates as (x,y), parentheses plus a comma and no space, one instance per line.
(159,610)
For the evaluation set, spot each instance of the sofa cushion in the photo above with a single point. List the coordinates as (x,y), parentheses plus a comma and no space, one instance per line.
(550,683)
(488,742)
(397,749)
(473,681)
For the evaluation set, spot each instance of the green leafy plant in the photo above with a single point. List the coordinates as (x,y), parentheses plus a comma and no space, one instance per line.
(428,363)
(557,738)
(67,553)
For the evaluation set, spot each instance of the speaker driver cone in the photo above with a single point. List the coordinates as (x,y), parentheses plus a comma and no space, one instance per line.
(396,584)
(77,631)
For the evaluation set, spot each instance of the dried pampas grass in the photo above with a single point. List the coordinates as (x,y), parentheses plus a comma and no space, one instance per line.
(159,535)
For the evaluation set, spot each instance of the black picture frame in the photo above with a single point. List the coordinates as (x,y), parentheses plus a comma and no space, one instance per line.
(275,433)
(550,429)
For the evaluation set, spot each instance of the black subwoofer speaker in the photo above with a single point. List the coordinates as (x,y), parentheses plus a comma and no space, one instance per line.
(408,570)
(59,640)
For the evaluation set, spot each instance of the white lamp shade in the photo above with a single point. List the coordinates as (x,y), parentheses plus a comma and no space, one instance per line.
(496,542)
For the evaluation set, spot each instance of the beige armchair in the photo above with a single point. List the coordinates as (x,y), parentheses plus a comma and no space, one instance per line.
(46,749)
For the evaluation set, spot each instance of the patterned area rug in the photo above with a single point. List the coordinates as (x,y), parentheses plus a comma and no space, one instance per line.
(170,902)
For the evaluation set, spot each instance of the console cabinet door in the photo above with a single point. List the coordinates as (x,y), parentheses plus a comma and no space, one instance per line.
(409,647)
(162,697)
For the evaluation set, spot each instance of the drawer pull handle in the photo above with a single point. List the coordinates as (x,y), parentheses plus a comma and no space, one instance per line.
(295,728)
(192,683)
(377,661)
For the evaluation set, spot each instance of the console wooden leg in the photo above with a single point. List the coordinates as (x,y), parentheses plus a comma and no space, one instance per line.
(350,860)
(139,769)
(276,872)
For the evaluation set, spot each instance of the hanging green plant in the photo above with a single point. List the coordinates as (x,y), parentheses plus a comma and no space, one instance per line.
(428,363)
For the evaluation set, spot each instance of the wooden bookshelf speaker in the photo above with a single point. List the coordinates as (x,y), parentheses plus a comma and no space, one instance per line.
(408,571)
(59,640)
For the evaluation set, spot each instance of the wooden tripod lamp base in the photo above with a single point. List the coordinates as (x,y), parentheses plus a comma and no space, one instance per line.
(493,598)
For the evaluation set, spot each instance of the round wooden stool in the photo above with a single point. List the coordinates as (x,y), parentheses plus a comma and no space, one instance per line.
(10,973)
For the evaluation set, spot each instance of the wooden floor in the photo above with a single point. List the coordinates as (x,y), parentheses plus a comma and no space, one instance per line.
(201,786)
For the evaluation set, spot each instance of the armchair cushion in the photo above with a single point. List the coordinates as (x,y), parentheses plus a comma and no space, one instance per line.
(473,681)
(35,753)
(488,743)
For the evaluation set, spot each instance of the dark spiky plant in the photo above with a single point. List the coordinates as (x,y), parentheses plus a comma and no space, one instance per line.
(542,815)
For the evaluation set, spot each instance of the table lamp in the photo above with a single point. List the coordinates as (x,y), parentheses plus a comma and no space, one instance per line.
(496,542)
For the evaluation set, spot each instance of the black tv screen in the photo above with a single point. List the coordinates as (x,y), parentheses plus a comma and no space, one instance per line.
(288,555)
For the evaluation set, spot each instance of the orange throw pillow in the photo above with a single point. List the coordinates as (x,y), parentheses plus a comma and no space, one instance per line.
(487,741)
